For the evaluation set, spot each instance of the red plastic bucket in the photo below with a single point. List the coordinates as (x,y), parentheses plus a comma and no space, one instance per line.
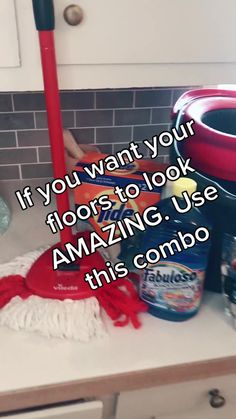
(213,147)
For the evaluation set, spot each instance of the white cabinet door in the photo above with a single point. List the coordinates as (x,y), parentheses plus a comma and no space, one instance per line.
(87,410)
(188,400)
(148,31)
(9,49)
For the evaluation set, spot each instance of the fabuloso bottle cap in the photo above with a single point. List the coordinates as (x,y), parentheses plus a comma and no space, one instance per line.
(184,184)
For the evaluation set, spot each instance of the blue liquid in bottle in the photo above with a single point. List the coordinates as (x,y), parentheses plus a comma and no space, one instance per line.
(173,286)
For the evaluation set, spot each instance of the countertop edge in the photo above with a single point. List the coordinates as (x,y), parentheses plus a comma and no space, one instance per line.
(74,390)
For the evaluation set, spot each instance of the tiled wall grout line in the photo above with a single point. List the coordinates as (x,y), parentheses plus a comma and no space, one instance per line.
(106,126)
(20,171)
(28,164)
(118,126)
(35,129)
(24,129)
(24,112)
(132,133)
(64,110)
(13,164)
(41,111)
(83,127)
(172,98)
(12,148)
(17,142)
(134,98)
(98,144)
(95,100)
(151,113)
(95,135)
(37,154)
(12,102)
(35,123)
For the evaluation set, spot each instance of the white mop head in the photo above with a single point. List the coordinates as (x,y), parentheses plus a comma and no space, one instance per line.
(79,320)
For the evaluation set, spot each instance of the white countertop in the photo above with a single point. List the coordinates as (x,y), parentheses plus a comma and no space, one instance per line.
(28,360)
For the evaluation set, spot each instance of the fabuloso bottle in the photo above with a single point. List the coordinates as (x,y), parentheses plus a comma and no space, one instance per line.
(173,287)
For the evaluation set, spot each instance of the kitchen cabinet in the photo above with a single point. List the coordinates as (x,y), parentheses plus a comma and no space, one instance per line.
(180,401)
(147,32)
(123,44)
(86,410)
(9,45)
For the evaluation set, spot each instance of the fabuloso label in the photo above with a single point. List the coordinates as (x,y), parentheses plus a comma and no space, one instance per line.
(173,287)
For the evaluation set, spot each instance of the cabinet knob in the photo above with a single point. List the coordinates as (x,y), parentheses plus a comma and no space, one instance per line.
(73,14)
(216,399)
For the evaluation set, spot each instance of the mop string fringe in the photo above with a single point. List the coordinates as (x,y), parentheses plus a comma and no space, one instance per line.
(117,299)
(21,309)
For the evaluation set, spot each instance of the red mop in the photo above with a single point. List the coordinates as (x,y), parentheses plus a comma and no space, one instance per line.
(35,297)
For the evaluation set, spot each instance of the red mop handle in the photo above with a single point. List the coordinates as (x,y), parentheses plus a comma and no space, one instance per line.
(44,20)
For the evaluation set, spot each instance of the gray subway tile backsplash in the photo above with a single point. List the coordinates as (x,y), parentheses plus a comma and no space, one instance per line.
(114,99)
(6,102)
(84,135)
(9,172)
(161,114)
(113,134)
(77,100)
(40,170)
(142,149)
(31,138)
(177,93)
(153,98)
(94,118)
(132,116)
(143,132)
(16,120)
(7,139)
(44,154)
(109,118)
(18,155)
(106,148)
(29,101)
(67,119)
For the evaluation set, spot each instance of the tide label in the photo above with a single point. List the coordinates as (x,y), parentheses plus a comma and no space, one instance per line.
(104,185)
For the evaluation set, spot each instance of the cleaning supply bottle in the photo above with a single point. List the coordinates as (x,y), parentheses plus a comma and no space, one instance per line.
(173,287)
(5,216)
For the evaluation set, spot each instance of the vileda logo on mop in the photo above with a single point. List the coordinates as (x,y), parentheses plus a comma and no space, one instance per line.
(172,286)
(60,287)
